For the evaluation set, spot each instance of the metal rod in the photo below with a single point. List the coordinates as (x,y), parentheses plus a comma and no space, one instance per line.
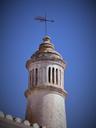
(45,24)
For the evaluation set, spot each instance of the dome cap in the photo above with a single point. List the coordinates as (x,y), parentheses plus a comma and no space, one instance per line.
(46,51)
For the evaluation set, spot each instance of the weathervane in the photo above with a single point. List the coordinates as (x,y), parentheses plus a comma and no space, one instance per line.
(44,19)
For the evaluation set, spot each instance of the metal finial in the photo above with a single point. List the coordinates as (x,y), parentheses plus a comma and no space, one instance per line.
(44,19)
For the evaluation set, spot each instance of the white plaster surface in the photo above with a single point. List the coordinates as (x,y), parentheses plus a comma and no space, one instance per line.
(48,109)
(1,114)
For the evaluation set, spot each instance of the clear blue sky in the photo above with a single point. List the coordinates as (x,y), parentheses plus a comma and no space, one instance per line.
(74,35)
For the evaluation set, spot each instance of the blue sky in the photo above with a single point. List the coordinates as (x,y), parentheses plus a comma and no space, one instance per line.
(74,35)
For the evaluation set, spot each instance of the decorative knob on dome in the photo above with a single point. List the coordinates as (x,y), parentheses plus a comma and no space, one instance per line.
(47,38)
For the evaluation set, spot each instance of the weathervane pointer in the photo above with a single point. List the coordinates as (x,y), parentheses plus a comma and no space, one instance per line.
(44,19)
